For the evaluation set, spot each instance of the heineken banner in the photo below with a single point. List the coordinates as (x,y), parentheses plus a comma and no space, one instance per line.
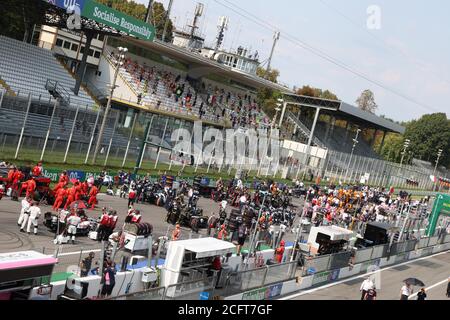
(117,20)
(52,174)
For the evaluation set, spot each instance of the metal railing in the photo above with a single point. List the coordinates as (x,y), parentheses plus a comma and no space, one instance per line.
(238,282)
(150,294)
(57,90)
(313,265)
(192,290)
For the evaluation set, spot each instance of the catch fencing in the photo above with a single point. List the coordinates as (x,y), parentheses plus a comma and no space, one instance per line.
(313,265)
(246,280)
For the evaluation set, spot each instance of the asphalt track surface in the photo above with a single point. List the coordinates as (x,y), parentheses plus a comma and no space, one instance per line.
(434,271)
(11,240)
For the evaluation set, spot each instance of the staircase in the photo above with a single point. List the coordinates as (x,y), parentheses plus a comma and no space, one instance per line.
(303,129)
(95,94)
(58,92)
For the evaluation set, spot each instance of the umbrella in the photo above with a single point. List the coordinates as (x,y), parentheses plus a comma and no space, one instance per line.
(414,282)
(78,205)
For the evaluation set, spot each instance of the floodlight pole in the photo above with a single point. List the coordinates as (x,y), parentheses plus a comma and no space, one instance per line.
(283,112)
(129,140)
(355,142)
(276,37)
(166,23)
(120,59)
(310,140)
(149,15)
(143,147)
(439,155)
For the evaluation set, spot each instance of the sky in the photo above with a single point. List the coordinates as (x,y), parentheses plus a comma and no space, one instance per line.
(402,45)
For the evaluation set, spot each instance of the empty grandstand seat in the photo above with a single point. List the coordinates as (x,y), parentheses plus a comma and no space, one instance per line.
(26,68)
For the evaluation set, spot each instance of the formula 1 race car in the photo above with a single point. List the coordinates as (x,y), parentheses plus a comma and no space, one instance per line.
(43,191)
(86,225)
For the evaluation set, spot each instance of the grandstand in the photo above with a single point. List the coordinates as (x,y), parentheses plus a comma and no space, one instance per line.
(172,87)
(27,68)
(329,135)
(162,87)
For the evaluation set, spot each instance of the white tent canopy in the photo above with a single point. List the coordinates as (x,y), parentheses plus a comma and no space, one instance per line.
(207,247)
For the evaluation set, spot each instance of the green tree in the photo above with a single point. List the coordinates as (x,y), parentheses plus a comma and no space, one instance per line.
(272,75)
(392,148)
(19,17)
(316,93)
(429,134)
(366,102)
(139,11)
(267,98)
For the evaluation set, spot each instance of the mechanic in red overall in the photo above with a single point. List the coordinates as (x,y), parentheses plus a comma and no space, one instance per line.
(79,191)
(11,174)
(31,188)
(37,170)
(60,195)
(104,227)
(70,197)
(176,234)
(279,252)
(23,187)
(93,197)
(222,233)
(63,181)
(131,197)
(18,176)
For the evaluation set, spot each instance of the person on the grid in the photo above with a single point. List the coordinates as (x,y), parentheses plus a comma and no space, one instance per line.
(25,211)
(33,219)
(72,222)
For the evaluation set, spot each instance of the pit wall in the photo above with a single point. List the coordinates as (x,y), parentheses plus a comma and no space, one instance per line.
(129,282)
(289,287)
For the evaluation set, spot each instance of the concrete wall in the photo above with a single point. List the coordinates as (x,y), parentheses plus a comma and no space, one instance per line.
(103,80)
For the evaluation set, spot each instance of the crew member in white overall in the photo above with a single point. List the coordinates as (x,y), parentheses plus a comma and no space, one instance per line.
(33,219)
(72,222)
(24,212)
(63,214)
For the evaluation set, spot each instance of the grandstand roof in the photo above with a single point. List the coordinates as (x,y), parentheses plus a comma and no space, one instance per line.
(195,60)
(347,112)
(358,115)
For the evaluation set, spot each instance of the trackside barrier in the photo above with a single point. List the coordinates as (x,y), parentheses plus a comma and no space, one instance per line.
(423,243)
(314,265)
(280,272)
(245,280)
(404,251)
(366,260)
(150,294)
(242,281)
(202,289)
(363,255)
(410,245)
(339,260)
(433,241)
(379,251)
